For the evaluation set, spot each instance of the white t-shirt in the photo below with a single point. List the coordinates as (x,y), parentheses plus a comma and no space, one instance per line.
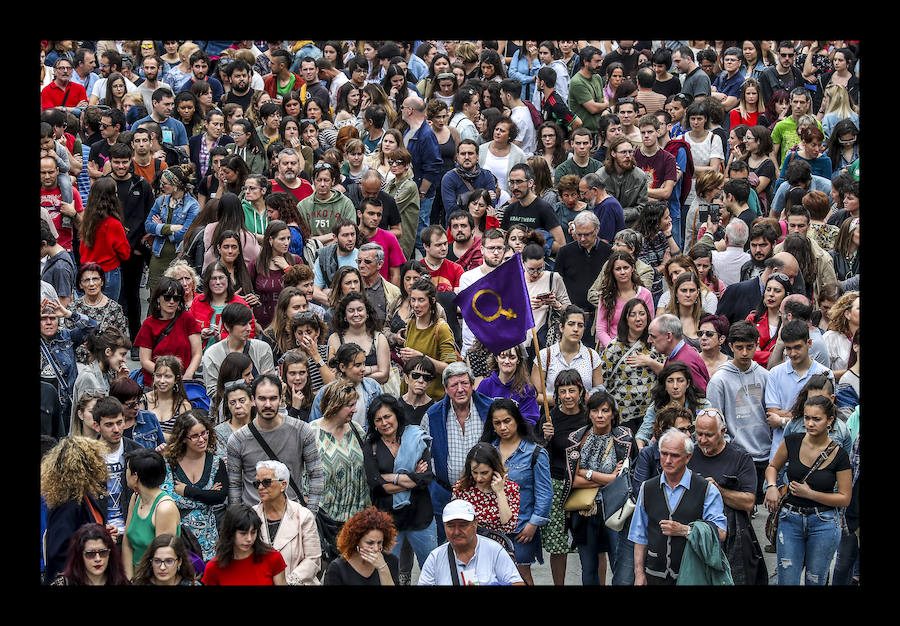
(499,166)
(522,117)
(336,83)
(99,89)
(701,152)
(115,463)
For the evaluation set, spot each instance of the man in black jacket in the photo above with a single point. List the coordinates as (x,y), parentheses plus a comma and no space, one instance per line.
(783,75)
(136,198)
(741,298)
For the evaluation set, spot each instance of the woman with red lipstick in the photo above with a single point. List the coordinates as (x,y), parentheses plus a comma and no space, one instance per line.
(767,316)
(94,559)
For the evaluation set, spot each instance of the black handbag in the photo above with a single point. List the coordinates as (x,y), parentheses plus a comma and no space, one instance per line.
(618,499)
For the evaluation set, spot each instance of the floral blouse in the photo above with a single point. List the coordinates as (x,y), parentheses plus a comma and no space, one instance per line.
(346,490)
(486,510)
(824,234)
(110,314)
(630,386)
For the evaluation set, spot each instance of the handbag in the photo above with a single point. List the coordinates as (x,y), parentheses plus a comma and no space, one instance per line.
(618,499)
(583,499)
(392,386)
(772,520)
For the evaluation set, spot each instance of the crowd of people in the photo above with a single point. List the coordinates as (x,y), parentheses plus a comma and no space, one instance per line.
(254,370)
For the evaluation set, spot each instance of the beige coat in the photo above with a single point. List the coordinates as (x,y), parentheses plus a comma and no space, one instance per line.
(824,266)
(298,542)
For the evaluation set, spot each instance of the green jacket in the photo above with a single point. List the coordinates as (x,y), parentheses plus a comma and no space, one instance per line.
(703,561)
(256,162)
(320,215)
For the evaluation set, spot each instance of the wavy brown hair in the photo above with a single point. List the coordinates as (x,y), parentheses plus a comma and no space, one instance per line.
(178,441)
(838,322)
(609,288)
(74,468)
(368,519)
(143,572)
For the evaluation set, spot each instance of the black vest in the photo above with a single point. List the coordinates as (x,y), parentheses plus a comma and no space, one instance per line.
(663,552)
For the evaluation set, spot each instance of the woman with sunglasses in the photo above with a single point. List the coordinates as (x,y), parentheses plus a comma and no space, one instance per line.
(712,335)
(674,387)
(141,425)
(218,292)
(288,526)
(93,559)
(196,477)
(842,147)
(166,563)
(168,331)
(509,378)
(767,315)
(418,372)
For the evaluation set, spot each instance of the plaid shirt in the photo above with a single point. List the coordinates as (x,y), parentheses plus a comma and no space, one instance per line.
(458,442)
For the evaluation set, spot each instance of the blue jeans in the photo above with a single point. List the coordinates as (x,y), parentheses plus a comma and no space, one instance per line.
(113,283)
(623,571)
(422,541)
(599,539)
(677,234)
(424,221)
(808,541)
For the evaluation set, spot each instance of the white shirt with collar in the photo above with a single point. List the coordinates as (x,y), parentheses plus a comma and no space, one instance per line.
(490,565)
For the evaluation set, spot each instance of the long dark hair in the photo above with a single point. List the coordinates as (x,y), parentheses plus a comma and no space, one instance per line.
(692,395)
(609,287)
(425,285)
(335,296)
(600,398)
(75,570)
(761,307)
(143,572)
(207,277)
(559,153)
(648,225)
(523,428)
(292,357)
(233,366)
(239,516)
(254,144)
(339,319)
(481,452)
(392,403)
(622,328)
(834,150)
(241,273)
(230,217)
(101,204)
(411,266)
(816,382)
(266,252)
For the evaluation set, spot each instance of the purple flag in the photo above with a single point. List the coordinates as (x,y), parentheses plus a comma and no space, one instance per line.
(496,307)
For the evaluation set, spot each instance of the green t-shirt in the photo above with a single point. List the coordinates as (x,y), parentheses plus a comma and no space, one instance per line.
(582,90)
(284,91)
(854,169)
(785,134)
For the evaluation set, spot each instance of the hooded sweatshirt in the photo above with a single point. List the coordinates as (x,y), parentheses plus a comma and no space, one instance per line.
(741,397)
(320,215)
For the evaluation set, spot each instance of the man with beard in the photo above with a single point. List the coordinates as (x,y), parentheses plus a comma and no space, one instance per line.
(151,83)
(369,213)
(466,248)
(200,61)
(292,441)
(238,74)
(729,468)
(145,164)
(335,255)
(492,248)
(312,87)
(627,183)
(528,209)
(369,186)
(762,242)
(465,177)
(586,89)
(288,179)
(604,206)
(110,61)
(783,75)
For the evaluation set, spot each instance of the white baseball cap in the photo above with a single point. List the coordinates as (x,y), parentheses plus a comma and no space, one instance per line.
(459,509)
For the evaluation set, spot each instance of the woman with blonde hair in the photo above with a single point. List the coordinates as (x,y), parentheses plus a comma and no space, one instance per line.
(73,482)
(836,106)
(179,75)
(181,270)
(843,325)
(750,107)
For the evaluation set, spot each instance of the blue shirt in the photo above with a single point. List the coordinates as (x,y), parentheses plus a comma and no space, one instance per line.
(675,198)
(349,260)
(818,184)
(176,135)
(713,508)
(611,216)
(783,388)
(535,488)
(729,86)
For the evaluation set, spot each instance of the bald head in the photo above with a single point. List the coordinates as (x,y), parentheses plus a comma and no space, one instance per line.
(414,108)
(785,263)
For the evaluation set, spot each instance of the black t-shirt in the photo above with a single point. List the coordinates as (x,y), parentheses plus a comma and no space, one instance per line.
(340,572)
(208,186)
(244,100)
(563,426)
(100,153)
(538,214)
(667,88)
(732,468)
(414,415)
(823,479)
(628,60)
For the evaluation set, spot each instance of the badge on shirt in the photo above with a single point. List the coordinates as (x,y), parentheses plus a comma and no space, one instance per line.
(167,135)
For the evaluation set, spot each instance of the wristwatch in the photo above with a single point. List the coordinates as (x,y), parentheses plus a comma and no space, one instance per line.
(588,474)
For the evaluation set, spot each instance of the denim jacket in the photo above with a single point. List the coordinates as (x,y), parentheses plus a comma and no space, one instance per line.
(370,385)
(62,346)
(535,488)
(147,432)
(184,213)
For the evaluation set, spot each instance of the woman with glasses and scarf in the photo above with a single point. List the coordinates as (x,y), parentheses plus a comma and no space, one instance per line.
(169,219)
(168,331)
(196,477)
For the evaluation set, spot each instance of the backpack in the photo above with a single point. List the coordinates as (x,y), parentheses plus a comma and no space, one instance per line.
(536,118)
(688,175)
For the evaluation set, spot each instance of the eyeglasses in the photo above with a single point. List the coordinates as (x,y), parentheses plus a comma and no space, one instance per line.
(365,261)
(251,187)
(396,162)
(91,279)
(706,333)
(847,142)
(131,405)
(781,276)
(786,56)
(687,430)
(104,125)
(624,152)
(169,297)
(199,436)
(516,181)
(494,249)
(265,482)
(147,46)
(236,134)
(102,553)
(320,166)
(167,562)
(417,375)
(535,271)
(710,412)
(307,120)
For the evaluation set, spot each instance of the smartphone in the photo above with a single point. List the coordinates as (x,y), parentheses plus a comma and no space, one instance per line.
(715,213)
(543,296)
(704,213)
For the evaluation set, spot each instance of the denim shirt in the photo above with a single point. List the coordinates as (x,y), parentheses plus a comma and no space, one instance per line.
(62,346)
(183,213)
(535,488)
(147,432)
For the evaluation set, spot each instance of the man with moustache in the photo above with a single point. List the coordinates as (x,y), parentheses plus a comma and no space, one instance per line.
(291,440)
(151,82)
(465,249)
(465,177)
(528,209)
(238,73)
(627,183)
(762,242)
(288,179)
(369,187)
(586,89)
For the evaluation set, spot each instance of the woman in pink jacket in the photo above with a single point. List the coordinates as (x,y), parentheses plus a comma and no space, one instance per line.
(620,284)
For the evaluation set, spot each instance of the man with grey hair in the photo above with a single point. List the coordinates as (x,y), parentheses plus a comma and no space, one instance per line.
(607,209)
(288,177)
(730,469)
(422,144)
(666,335)
(666,509)
(728,262)
(379,292)
(726,88)
(455,424)
(579,263)
(796,306)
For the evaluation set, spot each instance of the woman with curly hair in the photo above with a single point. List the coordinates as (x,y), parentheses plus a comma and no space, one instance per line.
(620,284)
(674,387)
(94,559)
(167,398)
(242,557)
(364,544)
(196,476)
(485,484)
(73,485)
(843,325)
(103,239)
(166,563)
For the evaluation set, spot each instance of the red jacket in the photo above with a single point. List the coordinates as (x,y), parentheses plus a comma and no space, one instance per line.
(202,312)
(270,84)
(766,341)
(111,247)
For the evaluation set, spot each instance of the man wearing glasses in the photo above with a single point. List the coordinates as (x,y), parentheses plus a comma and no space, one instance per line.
(627,183)
(528,209)
(783,75)
(727,86)
(62,92)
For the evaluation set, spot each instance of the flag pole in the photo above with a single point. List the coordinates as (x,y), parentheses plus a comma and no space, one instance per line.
(537,352)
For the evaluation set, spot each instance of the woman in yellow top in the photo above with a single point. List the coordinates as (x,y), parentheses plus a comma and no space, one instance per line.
(427,335)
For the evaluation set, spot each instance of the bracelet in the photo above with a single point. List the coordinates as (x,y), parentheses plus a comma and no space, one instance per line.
(382,567)
(396,479)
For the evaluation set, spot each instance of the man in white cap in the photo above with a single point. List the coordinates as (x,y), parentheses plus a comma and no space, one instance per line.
(475,560)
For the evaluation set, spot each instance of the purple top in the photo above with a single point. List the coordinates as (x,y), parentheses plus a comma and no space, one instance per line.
(693,360)
(527,401)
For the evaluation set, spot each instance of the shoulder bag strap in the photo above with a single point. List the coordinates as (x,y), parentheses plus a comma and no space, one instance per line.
(56,368)
(66,93)
(165,332)
(94,512)
(358,438)
(825,454)
(271,455)
(452,559)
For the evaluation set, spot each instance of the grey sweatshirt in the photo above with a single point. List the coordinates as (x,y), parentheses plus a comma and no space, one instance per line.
(741,398)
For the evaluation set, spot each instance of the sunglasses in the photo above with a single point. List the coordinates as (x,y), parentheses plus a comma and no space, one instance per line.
(265,482)
(710,412)
(417,375)
(169,297)
(707,333)
(90,554)
(131,405)
(395,162)
(687,430)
